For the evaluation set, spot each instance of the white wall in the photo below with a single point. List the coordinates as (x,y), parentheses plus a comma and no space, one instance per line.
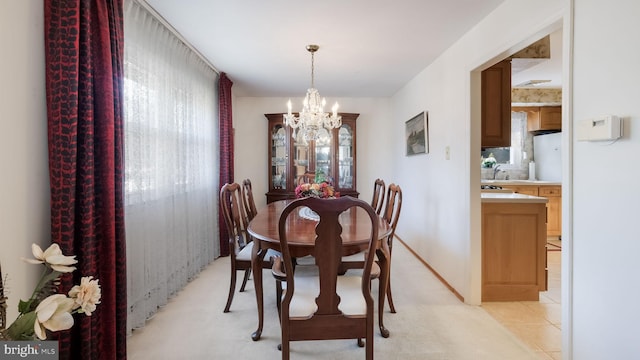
(440,220)
(24,179)
(606,195)
(374,145)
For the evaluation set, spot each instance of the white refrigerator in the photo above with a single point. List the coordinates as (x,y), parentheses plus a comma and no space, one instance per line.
(547,154)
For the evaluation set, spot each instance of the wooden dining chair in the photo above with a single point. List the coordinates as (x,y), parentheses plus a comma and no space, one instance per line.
(378,195)
(247,199)
(324,305)
(391,214)
(240,242)
(306,178)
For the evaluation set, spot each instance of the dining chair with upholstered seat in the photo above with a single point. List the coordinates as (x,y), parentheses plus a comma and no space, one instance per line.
(323,305)
(240,242)
(378,195)
(391,214)
(247,199)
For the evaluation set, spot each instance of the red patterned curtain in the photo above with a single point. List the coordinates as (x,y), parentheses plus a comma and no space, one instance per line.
(84,83)
(226,151)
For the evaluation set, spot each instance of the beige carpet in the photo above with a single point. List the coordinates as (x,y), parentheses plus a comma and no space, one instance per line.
(430,324)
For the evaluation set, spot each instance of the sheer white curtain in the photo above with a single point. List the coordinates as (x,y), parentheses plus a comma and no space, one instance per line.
(171,163)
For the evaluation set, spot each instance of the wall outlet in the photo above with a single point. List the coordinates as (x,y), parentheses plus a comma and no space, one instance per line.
(447,153)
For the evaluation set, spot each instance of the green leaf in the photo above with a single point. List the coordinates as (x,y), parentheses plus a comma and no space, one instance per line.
(23,306)
(22,328)
(48,278)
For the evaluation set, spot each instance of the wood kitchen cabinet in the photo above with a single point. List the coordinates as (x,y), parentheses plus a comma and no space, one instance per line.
(542,118)
(290,158)
(523,189)
(554,209)
(514,252)
(553,193)
(496,105)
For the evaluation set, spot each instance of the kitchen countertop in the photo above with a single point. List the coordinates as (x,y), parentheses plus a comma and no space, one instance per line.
(511,198)
(506,191)
(519,182)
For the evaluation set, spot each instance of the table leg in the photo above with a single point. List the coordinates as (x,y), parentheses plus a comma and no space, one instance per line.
(257,256)
(383,262)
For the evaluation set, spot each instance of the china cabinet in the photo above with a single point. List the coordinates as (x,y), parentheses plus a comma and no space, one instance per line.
(290,158)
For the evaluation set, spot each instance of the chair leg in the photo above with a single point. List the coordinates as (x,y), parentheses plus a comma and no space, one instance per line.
(232,289)
(279,298)
(342,270)
(360,342)
(285,350)
(390,298)
(369,342)
(244,281)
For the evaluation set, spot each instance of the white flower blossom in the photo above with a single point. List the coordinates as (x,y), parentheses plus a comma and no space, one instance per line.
(53,257)
(86,295)
(53,313)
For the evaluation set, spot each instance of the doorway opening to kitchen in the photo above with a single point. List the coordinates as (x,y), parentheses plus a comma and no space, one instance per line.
(530,154)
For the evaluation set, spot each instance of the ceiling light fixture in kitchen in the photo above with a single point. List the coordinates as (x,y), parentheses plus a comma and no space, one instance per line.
(532,83)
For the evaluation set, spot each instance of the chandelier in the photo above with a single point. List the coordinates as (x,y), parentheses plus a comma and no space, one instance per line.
(312,121)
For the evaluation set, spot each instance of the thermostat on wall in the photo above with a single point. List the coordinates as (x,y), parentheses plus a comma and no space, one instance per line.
(603,128)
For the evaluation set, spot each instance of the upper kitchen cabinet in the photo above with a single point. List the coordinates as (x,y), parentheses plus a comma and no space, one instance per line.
(544,118)
(496,105)
(289,157)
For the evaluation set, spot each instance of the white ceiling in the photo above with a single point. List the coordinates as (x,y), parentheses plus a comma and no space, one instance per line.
(368,48)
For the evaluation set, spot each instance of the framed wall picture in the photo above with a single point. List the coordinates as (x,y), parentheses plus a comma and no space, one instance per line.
(417,134)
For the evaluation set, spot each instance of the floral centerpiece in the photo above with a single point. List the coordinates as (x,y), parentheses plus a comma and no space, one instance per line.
(322,190)
(47,310)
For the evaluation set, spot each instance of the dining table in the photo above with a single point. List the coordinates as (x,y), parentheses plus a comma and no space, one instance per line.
(356,230)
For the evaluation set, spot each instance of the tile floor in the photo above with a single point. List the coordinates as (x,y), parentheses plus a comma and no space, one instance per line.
(537,324)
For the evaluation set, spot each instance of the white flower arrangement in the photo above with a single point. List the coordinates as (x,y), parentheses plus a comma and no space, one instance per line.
(46,310)
(489,161)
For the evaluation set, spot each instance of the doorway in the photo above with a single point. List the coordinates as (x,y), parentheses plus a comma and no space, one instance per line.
(516,316)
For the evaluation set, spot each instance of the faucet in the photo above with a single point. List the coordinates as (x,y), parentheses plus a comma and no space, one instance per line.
(496,169)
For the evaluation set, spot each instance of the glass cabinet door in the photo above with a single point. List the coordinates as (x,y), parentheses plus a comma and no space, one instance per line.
(345,158)
(279,157)
(300,156)
(323,156)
